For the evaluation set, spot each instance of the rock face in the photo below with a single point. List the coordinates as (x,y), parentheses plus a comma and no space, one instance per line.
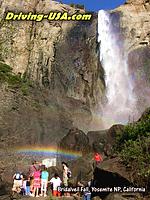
(135,25)
(59,55)
(61,59)
(136,2)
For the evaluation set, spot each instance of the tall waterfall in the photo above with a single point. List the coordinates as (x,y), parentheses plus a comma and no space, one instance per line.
(121,101)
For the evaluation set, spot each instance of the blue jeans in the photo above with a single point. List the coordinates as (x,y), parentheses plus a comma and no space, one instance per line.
(27,190)
(87,196)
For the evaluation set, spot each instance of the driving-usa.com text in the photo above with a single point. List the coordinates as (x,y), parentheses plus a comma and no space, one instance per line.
(52,16)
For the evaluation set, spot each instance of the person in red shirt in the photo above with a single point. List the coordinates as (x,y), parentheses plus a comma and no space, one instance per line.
(98,158)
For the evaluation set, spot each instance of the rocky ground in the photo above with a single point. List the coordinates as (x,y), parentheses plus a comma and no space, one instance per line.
(109,173)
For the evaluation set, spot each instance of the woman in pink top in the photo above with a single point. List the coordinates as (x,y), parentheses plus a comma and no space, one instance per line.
(36,183)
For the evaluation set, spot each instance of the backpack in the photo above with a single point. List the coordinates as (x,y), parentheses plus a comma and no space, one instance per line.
(18,176)
(69,173)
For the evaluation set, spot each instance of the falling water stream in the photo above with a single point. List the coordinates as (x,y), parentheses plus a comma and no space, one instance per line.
(121,102)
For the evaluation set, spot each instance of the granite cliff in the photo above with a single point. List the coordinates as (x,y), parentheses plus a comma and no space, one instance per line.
(61,60)
(51,79)
(60,80)
(135,25)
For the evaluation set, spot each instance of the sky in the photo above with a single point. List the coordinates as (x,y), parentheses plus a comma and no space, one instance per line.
(95,5)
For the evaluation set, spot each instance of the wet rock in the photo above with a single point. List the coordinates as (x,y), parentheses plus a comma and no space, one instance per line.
(82,169)
(145,115)
(103,141)
(75,140)
(139,69)
(97,140)
(111,138)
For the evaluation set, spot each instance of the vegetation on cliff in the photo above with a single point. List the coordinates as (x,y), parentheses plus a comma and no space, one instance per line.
(79,6)
(14,81)
(133,146)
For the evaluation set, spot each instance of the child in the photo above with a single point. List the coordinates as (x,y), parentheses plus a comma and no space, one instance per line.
(36,183)
(23,189)
(28,186)
(18,182)
(44,181)
(56,183)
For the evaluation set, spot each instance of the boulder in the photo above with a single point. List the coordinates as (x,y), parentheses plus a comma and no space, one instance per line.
(82,169)
(76,140)
(108,180)
(114,165)
(103,141)
(111,138)
(97,140)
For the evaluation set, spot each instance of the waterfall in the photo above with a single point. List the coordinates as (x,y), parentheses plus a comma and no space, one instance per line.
(121,102)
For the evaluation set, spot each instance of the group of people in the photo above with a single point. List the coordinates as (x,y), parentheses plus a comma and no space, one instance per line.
(35,183)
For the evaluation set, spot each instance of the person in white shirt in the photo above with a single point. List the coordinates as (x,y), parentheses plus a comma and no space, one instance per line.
(65,172)
(56,181)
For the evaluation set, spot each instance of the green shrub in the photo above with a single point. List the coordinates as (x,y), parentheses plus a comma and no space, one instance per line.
(133,147)
(72,5)
(14,81)
(5,71)
(134,131)
(136,156)
(79,6)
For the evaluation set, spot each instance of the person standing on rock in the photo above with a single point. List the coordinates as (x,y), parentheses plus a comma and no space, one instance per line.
(97,158)
(65,172)
(65,176)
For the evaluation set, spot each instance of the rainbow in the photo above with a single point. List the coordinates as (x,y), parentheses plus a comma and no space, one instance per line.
(47,151)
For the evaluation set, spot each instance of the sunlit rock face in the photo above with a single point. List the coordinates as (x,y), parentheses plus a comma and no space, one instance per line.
(59,55)
(135,25)
(62,59)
